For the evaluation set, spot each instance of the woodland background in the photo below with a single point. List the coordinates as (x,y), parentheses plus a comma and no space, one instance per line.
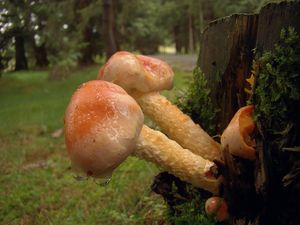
(47,49)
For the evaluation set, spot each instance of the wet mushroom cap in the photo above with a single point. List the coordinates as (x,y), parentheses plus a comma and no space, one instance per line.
(143,73)
(102,124)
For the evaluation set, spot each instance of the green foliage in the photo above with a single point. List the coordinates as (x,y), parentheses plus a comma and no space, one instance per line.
(276,98)
(69,31)
(277,106)
(191,211)
(279,75)
(140,26)
(196,102)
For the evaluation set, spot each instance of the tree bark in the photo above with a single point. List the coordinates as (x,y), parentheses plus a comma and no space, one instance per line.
(108,28)
(257,192)
(225,58)
(20,55)
(254,190)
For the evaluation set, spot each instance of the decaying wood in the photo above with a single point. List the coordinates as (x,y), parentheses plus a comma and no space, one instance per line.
(225,58)
(226,55)
(274,17)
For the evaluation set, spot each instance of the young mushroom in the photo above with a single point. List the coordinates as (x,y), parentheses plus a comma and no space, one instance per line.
(143,77)
(237,135)
(217,207)
(104,125)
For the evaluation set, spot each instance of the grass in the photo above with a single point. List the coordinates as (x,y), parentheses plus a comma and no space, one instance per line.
(36,183)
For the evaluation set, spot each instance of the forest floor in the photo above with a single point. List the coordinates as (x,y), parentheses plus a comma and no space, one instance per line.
(36,183)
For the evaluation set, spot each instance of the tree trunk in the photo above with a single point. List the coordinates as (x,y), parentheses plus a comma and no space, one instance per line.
(1,65)
(191,34)
(20,56)
(255,191)
(40,54)
(225,58)
(108,28)
(177,39)
(87,52)
(265,191)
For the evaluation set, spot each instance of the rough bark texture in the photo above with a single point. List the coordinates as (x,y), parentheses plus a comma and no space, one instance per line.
(272,19)
(225,58)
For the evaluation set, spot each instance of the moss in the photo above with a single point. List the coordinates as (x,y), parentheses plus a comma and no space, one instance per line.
(277,93)
(196,102)
(276,97)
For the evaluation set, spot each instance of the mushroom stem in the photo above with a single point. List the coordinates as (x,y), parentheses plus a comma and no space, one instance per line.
(155,147)
(104,125)
(143,77)
(178,126)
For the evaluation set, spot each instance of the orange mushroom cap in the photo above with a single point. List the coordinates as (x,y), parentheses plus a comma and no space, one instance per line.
(237,135)
(217,206)
(137,72)
(102,124)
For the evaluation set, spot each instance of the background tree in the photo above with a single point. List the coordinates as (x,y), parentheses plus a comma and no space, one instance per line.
(42,33)
(14,23)
(108,28)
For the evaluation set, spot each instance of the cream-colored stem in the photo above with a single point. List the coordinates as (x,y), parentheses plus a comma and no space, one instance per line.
(178,126)
(155,147)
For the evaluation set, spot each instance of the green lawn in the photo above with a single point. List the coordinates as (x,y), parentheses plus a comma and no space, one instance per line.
(36,183)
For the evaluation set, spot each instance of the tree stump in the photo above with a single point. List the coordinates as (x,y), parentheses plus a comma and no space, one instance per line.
(227,51)
(225,58)
(256,193)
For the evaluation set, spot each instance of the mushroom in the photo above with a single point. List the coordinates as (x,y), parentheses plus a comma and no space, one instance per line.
(237,135)
(143,77)
(104,125)
(217,206)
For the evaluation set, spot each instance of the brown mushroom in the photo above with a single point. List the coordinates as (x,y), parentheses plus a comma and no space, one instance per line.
(217,207)
(104,125)
(143,77)
(237,135)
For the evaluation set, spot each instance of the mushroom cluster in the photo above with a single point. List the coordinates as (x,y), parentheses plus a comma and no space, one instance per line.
(104,124)
(143,78)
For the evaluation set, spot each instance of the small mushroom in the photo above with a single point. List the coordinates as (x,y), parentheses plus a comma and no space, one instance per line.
(217,207)
(104,125)
(143,77)
(237,135)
